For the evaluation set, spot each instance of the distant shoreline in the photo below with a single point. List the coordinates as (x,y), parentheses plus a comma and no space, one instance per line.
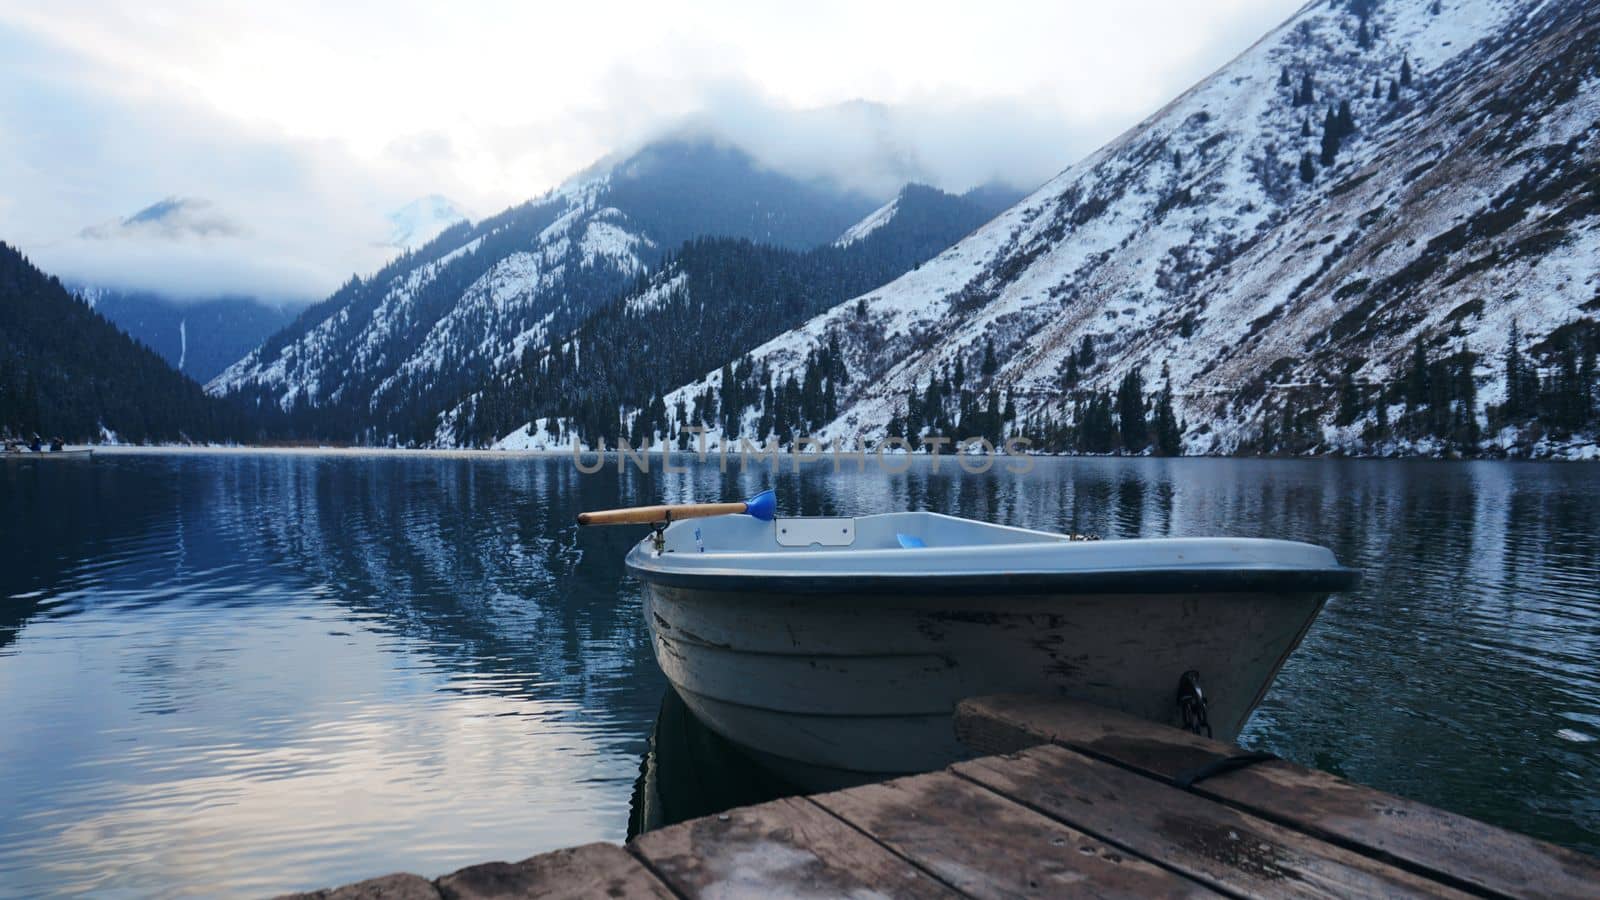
(712,456)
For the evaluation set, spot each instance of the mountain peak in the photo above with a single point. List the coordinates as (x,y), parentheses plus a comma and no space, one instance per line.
(421,220)
(171,218)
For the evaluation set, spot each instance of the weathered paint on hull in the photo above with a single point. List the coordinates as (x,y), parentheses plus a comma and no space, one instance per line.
(840,689)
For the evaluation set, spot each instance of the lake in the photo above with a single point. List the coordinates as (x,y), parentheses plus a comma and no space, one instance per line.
(240,674)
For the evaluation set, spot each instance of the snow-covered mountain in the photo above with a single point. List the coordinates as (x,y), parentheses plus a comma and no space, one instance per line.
(1324,246)
(421,220)
(706,305)
(385,355)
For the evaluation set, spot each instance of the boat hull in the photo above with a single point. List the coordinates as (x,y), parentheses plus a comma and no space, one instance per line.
(833,689)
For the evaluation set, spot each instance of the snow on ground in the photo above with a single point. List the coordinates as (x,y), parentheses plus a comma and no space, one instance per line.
(874,220)
(1192,241)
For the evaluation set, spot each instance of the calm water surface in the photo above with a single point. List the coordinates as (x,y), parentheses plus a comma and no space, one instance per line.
(244,674)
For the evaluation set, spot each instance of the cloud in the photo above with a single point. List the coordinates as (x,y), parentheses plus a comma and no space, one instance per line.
(247,210)
(951,143)
(304,125)
(172,219)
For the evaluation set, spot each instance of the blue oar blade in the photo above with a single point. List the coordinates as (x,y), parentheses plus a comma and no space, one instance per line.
(763,506)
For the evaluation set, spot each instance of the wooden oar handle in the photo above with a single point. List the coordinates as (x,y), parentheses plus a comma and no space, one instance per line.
(649,515)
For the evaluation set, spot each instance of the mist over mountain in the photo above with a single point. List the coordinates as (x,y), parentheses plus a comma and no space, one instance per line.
(421,220)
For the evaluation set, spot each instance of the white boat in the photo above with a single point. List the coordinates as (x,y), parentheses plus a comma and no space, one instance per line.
(836,649)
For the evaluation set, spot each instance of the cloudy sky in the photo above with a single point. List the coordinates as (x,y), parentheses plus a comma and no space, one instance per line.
(301,124)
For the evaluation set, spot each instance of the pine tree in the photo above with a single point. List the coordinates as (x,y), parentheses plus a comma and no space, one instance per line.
(1307,93)
(1394,92)
(1305,128)
(1169,434)
(1130,413)
(1405,72)
(1345,120)
(1330,138)
(989,363)
(1377,90)
(1518,400)
(1417,381)
(1364,36)
(1308,169)
(1283,77)
(1466,431)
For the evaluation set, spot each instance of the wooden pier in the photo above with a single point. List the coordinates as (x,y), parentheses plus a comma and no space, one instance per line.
(1076,800)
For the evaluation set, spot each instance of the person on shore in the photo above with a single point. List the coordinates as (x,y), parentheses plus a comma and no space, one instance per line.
(57,444)
(34,443)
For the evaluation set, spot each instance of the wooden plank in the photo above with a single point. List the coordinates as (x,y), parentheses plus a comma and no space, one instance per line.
(785,848)
(592,870)
(399,886)
(988,846)
(1447,846)
(1221,846)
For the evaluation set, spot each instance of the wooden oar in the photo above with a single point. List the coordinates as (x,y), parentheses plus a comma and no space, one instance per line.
(762,506)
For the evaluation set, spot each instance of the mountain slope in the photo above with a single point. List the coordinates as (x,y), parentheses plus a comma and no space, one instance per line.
(199,338)
(65,370)
(706,305)
(1281,257)
(383,357)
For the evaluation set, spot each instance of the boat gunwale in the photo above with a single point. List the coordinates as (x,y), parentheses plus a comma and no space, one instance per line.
(1256,579)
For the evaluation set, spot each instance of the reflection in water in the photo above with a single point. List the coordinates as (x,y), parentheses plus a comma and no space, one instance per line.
(252,673)
(690,771)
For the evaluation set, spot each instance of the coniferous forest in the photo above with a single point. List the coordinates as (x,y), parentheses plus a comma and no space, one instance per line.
(66,371)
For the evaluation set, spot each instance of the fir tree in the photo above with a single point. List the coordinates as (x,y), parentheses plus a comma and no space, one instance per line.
(1518,394)
(1308,169)
(1307,93)
(1405,72)
(1330,139)
(1130,413)
(1394,92)
(1169,434)
(989,363)
(1345,120)
(1283,77)
(1417,381)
